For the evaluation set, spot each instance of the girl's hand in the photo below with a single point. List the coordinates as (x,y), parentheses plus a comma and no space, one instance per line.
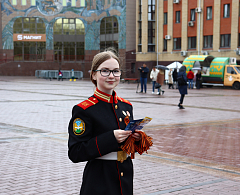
(136,135)
(121,135)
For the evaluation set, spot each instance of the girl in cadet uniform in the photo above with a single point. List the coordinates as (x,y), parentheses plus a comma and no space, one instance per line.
(96,132)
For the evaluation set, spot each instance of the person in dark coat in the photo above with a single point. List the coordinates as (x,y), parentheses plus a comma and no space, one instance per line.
(144,72)
(96,132)
(182,87)
(198,79)
(174,76)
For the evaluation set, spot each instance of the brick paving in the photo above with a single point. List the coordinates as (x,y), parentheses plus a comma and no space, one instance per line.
(195,151)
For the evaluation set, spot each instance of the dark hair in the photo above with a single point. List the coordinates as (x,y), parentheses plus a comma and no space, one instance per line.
(182,69)
(101,57)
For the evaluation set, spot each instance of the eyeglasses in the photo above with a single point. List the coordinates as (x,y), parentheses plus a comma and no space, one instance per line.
(106,72)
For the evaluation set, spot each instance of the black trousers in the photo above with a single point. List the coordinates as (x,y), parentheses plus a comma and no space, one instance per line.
(198,83)
(181,98)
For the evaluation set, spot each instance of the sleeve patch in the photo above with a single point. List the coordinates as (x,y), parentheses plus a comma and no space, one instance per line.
(123,100)
(87,103)
(78,126)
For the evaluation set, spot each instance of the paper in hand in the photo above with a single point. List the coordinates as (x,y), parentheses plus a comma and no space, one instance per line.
(137,124)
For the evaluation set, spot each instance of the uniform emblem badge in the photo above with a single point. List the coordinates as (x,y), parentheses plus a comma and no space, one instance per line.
(78,126)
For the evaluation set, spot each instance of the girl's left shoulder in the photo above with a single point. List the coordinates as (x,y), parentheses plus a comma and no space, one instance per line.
(123,100)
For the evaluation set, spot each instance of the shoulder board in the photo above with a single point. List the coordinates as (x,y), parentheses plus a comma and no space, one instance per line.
(123,100)
(87,103)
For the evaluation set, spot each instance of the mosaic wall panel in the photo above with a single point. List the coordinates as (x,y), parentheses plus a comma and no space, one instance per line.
(51,10)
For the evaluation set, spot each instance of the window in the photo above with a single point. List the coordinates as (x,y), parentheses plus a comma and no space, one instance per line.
(82,3)
(225,40)
(70,26)
(80,29)
(177,43)
(165,18)
(64,2)
(238,69)
(151,25)
(24,2)
(151,10)
(151,32)
(177,16)
(69,51)
(208,41)
(151,48)
(151,36)
(191,42)
(18,50)
(140,26)
(192,16)
(140,10)
(109,25)
(209,13)
(73,3)
(109,33)
(29,51)
(29,26)
(139,32)
(14,2)
(226,10)
(164,45)
(68,39)
(139,48)
(239,40)
(230,70)
(80,50)
(132,67)
(33,2)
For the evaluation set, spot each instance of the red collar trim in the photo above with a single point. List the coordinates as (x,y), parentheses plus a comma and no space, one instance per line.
(106,97)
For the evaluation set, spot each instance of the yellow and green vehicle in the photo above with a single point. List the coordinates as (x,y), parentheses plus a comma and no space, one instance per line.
(219,71)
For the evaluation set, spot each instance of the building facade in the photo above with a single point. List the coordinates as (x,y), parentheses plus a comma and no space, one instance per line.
(64,34)
(171,30)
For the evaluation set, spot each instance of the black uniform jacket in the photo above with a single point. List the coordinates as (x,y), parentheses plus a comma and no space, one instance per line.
(91,136)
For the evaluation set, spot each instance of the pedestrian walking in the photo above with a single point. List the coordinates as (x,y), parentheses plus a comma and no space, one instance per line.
(182,85)
(160,81)
(198,79)
(60,75)
(174,76)
(170,79)
(143,79)
(72,76)
(190,76)
(96,132)
(153,76)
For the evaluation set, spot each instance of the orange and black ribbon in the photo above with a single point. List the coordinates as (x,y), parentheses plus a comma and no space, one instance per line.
(130,146)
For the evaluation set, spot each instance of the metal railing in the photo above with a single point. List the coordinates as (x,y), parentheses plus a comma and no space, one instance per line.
(53,74)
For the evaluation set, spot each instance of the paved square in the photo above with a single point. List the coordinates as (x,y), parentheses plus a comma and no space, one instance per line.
(195,151)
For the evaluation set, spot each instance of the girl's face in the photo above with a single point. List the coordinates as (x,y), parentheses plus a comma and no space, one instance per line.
(106,84)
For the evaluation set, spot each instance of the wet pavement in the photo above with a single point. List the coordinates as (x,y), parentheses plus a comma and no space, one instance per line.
(195,151)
